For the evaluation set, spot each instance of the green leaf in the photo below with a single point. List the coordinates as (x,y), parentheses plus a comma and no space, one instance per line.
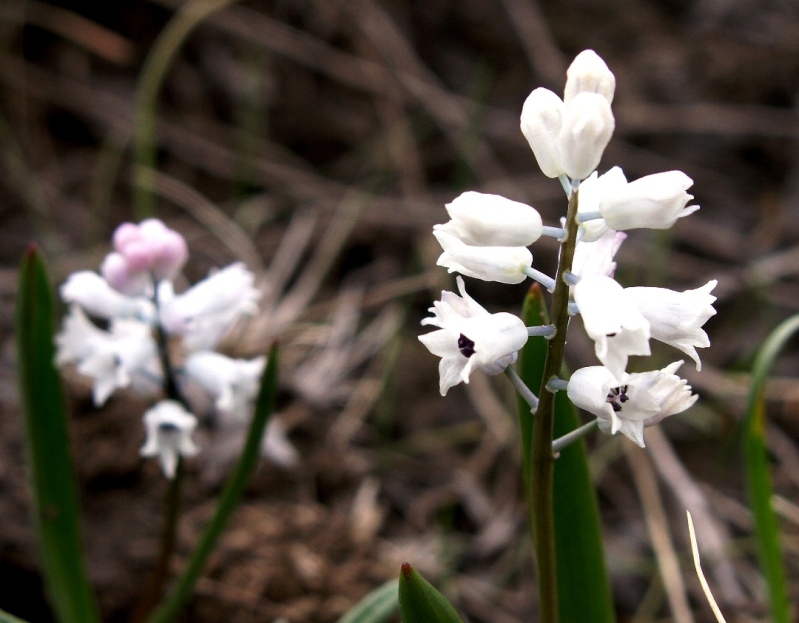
(420,602)
(376,607)
(51,471)
(759,476)
(10,618)
(230,497)
(583,588)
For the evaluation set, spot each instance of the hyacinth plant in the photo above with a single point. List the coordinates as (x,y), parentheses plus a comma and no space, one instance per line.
(126,327)
(487,238)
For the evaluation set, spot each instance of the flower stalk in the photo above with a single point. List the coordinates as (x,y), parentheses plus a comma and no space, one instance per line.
(543,465)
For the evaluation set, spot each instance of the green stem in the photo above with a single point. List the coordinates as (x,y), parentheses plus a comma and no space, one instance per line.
(542,459)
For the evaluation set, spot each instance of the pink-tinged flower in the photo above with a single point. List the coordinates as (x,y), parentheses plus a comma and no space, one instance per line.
(483,220)
(169,429)
(612,320)
(634,401)
(676,318)
(471,338)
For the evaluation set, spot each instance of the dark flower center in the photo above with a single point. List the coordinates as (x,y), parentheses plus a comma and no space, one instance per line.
(617,397)
(466,346)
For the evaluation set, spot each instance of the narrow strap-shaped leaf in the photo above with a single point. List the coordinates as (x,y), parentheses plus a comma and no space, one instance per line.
(583,588)
(230,495)
(51,471)
(420,602)
(10,618)
(758,474)
(376,607)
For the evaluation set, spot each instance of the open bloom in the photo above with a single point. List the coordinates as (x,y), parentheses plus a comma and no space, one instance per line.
(124,356)
(597,257)
(502,264)
(232,382)
(612,320)
(655,202)
(676,318)
(470,337)
(634,401)
(169,428)
(204,313)
(483,220)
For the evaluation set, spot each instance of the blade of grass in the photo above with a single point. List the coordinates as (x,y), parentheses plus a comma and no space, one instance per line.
(51,471)
(10,618)
(376,607)
(583,588)
(759,476)
(230,495)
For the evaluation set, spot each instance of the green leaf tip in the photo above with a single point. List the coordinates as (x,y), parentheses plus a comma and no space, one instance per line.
(420,602)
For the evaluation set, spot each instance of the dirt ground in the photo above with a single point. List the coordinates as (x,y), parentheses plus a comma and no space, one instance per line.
(318,141)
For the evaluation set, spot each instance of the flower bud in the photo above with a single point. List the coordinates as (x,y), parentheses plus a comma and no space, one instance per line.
(589,73)
(491,221)
(116,271)
(655,201)
(502,264)
(541,120)
(585,132)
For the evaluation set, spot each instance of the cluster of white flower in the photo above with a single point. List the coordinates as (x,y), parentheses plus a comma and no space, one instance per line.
(487,238)
(134,296)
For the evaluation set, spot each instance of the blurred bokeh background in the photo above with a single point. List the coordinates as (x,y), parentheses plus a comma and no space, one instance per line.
(318,141)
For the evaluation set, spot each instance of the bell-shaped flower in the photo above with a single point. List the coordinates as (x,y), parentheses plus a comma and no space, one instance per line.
(655,202)
(169,428)
(483,220)
(502,264)
(470,338)
(124,356)
(151,247)
(597,257)
(233,383)
(634,401)
(612,320)
(590,192)
(589,73)
(585,131)
(204,313)
(676,318)
(541,120)
(98,299)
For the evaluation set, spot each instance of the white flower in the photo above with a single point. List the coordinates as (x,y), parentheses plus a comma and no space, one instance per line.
(469,337)
(655,202)
(169,428)
(633,402)
(277,447)
(612,320)
(596,258)
(205,312)
(234,383)
(126,355)
(94,295)
(485,220)
(541,120)
(591,192)
(585,131)
(676,318)
(589,73)
(502,264)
